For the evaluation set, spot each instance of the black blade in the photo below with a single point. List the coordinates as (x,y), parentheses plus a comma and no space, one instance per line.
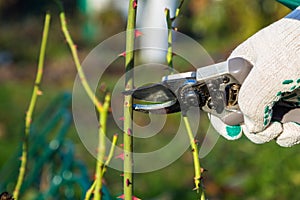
(155,93)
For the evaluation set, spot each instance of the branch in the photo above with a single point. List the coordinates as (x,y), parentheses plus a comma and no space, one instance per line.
(101,148)
(128,114)
(81,74)
(169,57)
(194,147)
(28,119)
(110,155)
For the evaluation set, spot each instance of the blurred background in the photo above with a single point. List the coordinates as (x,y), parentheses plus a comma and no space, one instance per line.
(236,170)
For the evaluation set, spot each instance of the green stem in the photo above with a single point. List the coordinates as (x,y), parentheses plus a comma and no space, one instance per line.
(89,192)
(102,109)
(110,155)
(36,92)
(101,148)
(170,21)
(128,114)
(194,147)
(203,195)
(80,72)
(169,57)
(197,167)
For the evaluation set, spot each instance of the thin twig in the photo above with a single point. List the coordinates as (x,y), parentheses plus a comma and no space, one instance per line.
(169,57)
(81,74)
(36,92)
(111,152)
(90,191)
(101,148)
(194,147)
(102,110)
(170,21)
(110,155)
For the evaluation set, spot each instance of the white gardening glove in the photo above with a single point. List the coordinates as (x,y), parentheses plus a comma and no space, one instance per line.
(274,53)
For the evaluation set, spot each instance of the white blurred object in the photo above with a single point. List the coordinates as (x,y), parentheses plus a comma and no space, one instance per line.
(151,14)
(97,5)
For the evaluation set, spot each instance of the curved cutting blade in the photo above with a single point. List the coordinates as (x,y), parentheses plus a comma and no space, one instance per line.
(155,98)
(159,108)
(155,93)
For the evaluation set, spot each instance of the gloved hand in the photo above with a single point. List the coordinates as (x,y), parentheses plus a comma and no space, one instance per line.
(274,53)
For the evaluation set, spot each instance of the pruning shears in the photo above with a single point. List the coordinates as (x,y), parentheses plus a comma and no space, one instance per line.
(214,89)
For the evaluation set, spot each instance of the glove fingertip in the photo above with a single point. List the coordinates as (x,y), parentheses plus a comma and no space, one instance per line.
(233,132)
(268,134)
(290,135)
(228,132)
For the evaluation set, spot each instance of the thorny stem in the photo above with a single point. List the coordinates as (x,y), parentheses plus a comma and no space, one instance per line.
(169,57)
(36,92)
(110,155)
(81,74)
(128,114)
(101,148)
(102,109)
(194,152)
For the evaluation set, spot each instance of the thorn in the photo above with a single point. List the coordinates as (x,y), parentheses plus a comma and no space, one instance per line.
(121,145)
(128,182)
(123,54)
(129,132)
(39,92)
(75,46)
(121,174)
(121,118)
(134,5)
(203,170)
(137,33)
(121,156)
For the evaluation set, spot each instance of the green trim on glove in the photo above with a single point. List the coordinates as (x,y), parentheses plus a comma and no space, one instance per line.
(233,131)
(292,4)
